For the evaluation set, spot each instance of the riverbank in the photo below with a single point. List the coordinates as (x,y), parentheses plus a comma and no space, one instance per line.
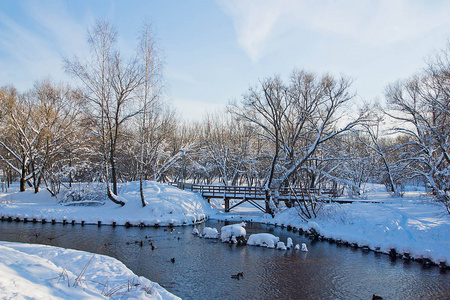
(413,226)
(166,206)
(31,271)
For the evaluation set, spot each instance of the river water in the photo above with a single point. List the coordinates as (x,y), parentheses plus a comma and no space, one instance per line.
(202,268)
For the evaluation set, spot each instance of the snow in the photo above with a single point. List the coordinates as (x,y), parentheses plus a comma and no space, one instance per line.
(304,247)
(413,224)
(281,246)
(166,205)
(231,232)
(289,243)
(210,233)
(263,239)
(45,272)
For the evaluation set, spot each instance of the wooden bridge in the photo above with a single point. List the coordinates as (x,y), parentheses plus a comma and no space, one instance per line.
(251,194)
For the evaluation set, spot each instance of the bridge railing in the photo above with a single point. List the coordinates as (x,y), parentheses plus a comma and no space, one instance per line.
(216,191)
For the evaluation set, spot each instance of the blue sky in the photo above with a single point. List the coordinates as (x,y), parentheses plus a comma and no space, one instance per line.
(214,50)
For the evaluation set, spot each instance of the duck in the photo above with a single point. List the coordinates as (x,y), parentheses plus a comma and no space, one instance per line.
(238,275)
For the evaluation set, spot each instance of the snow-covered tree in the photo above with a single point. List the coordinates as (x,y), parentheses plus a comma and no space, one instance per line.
(421,108)
(296,120)
(109,81)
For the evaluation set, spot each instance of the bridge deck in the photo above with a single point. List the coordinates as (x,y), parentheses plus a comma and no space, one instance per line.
(251,194)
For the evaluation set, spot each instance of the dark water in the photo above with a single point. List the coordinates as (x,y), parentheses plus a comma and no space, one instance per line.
(202,267)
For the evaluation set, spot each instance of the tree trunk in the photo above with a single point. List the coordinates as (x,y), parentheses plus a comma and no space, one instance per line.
(141,189)
(113,173)
(22,178)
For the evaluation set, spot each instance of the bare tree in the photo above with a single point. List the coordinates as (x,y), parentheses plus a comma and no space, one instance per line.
(297,120)
(110,82)
(265,107)
(149,93)
(420,105)
(372,139)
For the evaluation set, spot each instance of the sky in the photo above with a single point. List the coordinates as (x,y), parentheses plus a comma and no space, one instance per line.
(213,51)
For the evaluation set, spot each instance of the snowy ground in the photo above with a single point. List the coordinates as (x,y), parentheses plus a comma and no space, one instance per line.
(45,272)
(167,205)
(413,224)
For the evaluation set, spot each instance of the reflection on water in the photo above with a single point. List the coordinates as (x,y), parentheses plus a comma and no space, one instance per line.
(203,268)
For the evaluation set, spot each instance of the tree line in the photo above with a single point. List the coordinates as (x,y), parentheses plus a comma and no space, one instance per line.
(115,126)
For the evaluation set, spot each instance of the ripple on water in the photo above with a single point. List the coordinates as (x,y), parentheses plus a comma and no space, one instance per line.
(203,268)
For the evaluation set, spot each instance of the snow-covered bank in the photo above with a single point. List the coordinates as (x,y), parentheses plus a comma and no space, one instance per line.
(44,272)
(166,206)
(413,224)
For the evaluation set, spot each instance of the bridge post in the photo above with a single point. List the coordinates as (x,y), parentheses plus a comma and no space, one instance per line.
(227,205)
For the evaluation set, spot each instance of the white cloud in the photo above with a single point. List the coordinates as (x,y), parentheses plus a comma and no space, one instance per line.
(68,35)
(372,23)
(254,21)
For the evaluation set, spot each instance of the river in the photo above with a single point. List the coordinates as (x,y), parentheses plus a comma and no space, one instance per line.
(196,268)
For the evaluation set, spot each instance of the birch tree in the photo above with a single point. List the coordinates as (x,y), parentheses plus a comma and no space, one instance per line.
(149,96)
(109,81)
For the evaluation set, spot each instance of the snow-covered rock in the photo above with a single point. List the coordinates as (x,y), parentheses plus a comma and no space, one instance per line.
(195,231)
(210,233)
(235,230)
(263,239)
(304,247)
(289,243)
(281,246)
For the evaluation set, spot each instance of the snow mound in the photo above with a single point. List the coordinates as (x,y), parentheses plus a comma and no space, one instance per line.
(210,233)
(166,205)
(263,239)
(230,233)
(30,271)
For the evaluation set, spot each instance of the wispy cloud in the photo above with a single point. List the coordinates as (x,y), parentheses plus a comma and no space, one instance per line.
(374,23)
(254,21)
(68,34)
(33,52)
